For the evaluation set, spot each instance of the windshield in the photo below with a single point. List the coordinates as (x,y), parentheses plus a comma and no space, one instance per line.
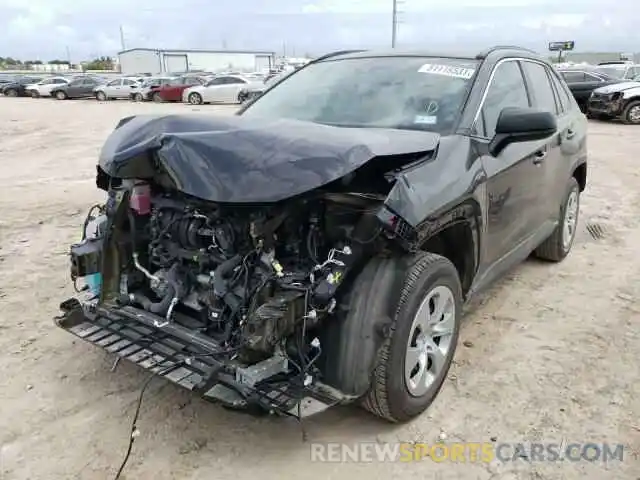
(410,93)
(613,72)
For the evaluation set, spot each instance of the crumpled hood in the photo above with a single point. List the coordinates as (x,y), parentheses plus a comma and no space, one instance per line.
(241,160)
(617,87)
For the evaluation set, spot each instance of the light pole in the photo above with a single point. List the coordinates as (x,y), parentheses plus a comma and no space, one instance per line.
(394,24)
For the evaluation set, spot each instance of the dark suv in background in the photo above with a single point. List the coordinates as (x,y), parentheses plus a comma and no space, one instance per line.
(18,87)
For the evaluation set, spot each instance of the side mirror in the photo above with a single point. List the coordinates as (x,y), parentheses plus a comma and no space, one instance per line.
(516,124)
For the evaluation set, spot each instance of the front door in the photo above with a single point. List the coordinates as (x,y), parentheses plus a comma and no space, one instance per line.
(514,176)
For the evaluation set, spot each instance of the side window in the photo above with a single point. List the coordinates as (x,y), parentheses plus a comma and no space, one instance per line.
(58,80)
(216,81)
(540,86)
(128,82)
(234,81)
(574,76)
(114,83)
(563,98)
(507,89)
(592,78)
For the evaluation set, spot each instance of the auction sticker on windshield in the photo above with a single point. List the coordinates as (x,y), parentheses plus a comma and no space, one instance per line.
(447,70)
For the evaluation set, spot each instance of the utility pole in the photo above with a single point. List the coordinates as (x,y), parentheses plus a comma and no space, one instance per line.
(394,24)
(122,44)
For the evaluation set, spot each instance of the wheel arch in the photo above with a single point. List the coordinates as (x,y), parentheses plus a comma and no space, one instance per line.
(455,235)
(351,343)
(580,174)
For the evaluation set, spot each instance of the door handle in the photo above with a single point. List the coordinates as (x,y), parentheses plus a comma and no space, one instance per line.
(539,156)
(570,134)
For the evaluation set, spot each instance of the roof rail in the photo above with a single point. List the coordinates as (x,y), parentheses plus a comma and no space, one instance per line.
(335,54)
(485,53)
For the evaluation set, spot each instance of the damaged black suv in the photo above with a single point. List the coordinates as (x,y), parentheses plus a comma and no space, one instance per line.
(318,247)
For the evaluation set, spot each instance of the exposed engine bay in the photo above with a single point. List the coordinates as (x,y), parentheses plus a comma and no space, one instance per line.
(257,280)
(250,277)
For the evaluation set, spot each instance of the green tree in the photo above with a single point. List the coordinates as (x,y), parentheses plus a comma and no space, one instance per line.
(101,63)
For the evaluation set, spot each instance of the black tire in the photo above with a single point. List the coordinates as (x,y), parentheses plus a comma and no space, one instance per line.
(195,99)
(60,95)
(554,248)
(101,97)
(11,92)
(35,94)
(389,396)
(631,113)
(138,97)
(243,97)
(157,98)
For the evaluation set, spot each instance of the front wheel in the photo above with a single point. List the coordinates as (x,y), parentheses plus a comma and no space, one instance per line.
(558,245)
(138,97)
(631,114)
(195,99)
(101,96)
(60,95)
(157,98)
(35,94)
(414,360)
(11,92)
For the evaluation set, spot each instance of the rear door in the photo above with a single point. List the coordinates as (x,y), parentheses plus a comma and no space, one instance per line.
(112,88)
(86,88)
(514,176)
(232,88)
(128,86)
(214,90)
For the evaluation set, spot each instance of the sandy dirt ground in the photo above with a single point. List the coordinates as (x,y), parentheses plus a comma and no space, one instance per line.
(548,355)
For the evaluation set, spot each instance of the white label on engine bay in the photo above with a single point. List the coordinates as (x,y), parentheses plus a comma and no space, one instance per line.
(447,70)
(425,119)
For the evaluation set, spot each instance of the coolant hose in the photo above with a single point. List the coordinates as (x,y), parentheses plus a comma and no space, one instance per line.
(220,274)
(160,308)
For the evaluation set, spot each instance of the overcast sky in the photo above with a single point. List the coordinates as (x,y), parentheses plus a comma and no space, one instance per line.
(43,29)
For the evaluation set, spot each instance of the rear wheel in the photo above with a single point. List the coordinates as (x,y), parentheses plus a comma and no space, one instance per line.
(157,98)
(631,114)
(11,92)
(60,95)
(138,97)
(558,245)
(101,96)
(413,362)
(35,94)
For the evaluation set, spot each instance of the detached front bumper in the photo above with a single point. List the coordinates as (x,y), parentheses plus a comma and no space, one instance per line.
(191,360)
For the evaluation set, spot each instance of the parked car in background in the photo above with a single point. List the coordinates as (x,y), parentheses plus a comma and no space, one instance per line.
(619,70)
(172,91)
(118,88)
(80,87)
(18,87)
(222,89)
(45,86)
(618,101)
(582,81)
(251,92)
(144,91)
